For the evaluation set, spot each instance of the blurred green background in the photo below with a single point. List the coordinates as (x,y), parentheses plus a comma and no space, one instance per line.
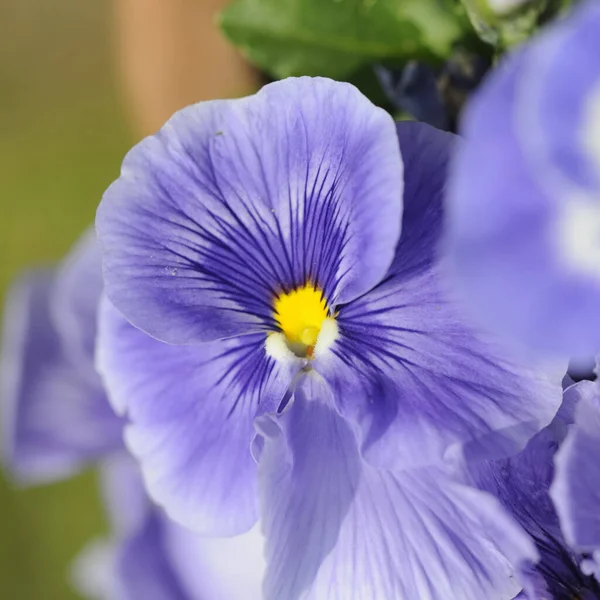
(62,138)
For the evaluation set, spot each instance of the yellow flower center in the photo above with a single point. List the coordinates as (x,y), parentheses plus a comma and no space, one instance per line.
(300,315)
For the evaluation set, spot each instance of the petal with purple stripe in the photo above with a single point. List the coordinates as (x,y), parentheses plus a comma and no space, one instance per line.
(191,410)
(339,529)
(235,201)
(408,367)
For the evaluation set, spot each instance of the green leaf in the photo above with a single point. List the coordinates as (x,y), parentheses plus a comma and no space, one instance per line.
(335,37)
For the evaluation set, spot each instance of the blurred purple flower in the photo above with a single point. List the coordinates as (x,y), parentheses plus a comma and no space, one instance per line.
(523,485)
(524,198)
(56,417)
(150,557)
(259,238)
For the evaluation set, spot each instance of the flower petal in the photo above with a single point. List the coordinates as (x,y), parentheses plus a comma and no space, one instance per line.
(75,298)
(217,568)
(339,529)
(406,365)
(92,573)
(156,559)
(143,568)
(576,487)
(191,410)
(56,416)
(141,565)
(524,216)
(234,201)
(521,483)
(558,124)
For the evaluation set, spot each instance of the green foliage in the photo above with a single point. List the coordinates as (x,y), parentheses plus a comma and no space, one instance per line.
(334,38)
(513,27)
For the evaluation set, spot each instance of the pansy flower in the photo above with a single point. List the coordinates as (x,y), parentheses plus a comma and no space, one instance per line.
(149,556)
(524,196)
(527,484)
(292,357)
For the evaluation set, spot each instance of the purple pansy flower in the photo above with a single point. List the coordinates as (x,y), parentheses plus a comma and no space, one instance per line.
(523,482)
(303,362)
(576,487)
(56,417)
(336,527)
(458,541)
(524,198)
(150,557)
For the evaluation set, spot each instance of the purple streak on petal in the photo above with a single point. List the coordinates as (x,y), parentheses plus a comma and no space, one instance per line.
(426,152)
(74,300)
(576,488)
(502,232)
(191,410)
(56,416)
(337,528)
(234,201)
(407,366)
(309,472)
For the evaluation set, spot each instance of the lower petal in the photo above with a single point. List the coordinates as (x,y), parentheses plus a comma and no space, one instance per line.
(191,410)
(339,529)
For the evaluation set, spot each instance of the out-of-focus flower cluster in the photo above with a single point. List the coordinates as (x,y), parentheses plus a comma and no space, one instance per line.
(318,354)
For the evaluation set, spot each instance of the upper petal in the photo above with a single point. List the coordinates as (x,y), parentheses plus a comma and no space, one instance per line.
(56,417)
(191,410)
(338,529)
(234,201)
(524,215)
(407,365)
